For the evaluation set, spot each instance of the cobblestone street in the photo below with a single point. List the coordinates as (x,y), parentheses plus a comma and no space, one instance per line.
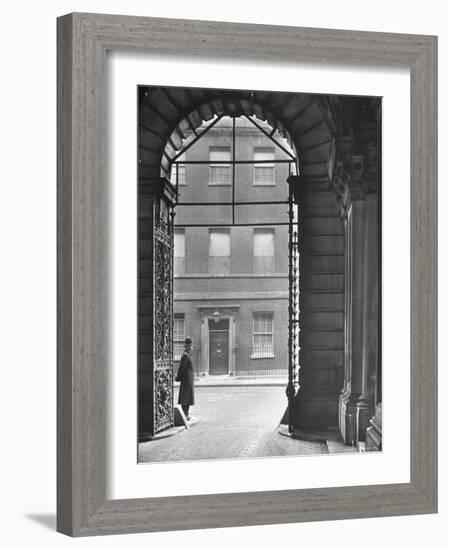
(232,422)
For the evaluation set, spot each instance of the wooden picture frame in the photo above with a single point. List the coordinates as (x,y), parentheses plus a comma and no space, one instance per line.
(83,40)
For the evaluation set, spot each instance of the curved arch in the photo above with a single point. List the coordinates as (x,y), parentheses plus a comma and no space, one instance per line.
(167,116)
(170,115)
(170,151)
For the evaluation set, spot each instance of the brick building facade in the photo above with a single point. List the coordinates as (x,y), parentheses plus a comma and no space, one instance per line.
(231,282)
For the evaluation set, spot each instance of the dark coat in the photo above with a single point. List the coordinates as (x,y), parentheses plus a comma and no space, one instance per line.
(185,376)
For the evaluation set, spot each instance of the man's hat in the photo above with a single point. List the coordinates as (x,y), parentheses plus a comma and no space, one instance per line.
(188,341)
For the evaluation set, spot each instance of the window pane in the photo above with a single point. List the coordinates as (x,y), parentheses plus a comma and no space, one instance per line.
(220,174)
(177,351)
(181,174)
(263,175)
(219,242)
(261,340)
(263,323)
(220,170)
(181,169)
(178,336)
(179,243)
(179,251)
(263,335)
(264,153)
(264,242)
(179,328)
(220,155)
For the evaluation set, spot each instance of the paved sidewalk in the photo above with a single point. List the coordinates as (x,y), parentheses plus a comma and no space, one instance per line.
(234,421)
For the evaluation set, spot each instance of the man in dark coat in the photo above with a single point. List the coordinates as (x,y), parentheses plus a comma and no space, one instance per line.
(185,376)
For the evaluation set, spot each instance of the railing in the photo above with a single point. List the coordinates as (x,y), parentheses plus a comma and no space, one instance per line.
(261,360)
(250,361)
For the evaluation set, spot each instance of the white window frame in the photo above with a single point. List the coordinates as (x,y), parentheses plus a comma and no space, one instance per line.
(220,231)
(265,231)
(272,232)
(182,179)
(269,352)
(178,343)
(264,151)
(223,231)
(182,232)
(219,165)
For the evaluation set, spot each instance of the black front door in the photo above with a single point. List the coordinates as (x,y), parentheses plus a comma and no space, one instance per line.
(219,347)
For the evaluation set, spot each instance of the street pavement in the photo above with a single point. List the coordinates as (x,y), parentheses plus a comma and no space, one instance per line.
(231,422)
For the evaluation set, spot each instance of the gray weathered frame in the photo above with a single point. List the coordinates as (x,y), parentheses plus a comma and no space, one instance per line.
(83,40)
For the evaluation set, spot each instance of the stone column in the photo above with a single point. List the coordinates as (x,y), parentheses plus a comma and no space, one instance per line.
(354,324)
(349,182)
(373,431)
(365,404)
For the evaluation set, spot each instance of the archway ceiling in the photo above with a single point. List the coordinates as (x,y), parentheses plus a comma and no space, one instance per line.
(168,116)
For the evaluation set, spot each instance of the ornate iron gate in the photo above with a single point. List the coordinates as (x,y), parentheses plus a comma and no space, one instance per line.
(293,302)
(163,412)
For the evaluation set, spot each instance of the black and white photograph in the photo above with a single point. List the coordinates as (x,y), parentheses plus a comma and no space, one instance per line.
(259,287)
(222,234)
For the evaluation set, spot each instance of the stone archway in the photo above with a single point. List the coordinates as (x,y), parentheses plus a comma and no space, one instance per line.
(167,116)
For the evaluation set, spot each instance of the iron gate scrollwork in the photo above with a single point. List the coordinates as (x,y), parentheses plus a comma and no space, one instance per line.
(163,402)
(293,303)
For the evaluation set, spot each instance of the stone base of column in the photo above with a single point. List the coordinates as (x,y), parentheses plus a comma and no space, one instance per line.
(314,412)
(374,431)
(364,413)
(347,418)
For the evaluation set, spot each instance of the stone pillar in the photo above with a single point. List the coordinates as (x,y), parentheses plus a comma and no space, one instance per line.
(355,181)
(373,432)
(347,417)
(350,184)
(319,345)
(365,403)
(354,313)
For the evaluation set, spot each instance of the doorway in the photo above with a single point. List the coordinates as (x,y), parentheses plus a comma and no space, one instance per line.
(218,346)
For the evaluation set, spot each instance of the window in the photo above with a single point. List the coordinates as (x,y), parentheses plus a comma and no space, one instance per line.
(219,167)
(262,335)
(264,173)
(179,251)
(181,169)
(263,250)
(219,250)
(178,336)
